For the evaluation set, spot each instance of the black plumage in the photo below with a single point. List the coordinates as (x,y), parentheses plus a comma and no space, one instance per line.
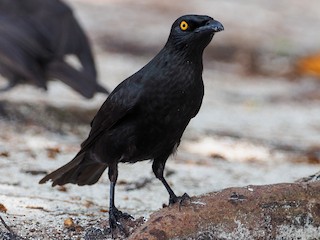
(146,115)
(35,38)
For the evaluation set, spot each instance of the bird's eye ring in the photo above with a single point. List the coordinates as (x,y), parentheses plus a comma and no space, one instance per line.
(184,25)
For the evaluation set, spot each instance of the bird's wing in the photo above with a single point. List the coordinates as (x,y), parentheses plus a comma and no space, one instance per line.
(120,102)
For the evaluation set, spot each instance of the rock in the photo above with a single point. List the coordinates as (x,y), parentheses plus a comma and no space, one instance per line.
(279,211)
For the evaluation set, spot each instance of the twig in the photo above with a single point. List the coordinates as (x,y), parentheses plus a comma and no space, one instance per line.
(11,235)
(138,184)
(6,226)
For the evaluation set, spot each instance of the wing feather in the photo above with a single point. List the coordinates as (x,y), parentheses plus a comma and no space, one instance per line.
(122,101)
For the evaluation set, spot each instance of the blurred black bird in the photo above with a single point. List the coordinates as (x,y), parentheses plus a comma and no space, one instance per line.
(35,38)
(146,115)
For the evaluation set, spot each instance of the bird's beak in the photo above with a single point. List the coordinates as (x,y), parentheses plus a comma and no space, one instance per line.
(211,26)
(215,26)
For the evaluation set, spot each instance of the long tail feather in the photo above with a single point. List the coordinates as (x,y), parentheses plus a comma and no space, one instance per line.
(81,171)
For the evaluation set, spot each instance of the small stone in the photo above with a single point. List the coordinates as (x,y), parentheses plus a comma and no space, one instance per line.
(69,223)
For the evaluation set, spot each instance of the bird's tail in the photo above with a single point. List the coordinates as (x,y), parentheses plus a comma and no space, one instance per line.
(82,170)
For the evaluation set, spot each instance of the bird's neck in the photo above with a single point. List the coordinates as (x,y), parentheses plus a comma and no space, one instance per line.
(185,55)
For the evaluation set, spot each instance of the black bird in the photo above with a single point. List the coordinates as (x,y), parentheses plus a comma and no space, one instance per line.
(35,38)
(145,115)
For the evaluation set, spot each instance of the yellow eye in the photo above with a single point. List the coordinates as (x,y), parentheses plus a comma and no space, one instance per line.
(184,25)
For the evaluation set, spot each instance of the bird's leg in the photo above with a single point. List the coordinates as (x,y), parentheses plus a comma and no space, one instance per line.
(158,168)
(114,214)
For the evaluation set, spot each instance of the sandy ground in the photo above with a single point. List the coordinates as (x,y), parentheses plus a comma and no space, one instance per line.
(252,129)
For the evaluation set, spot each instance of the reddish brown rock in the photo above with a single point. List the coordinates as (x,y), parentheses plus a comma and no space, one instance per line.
(279,211)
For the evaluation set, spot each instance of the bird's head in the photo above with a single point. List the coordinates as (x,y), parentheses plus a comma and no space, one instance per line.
(193,32)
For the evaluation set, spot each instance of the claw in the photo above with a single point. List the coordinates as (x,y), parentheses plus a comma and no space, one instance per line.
(179,200)
(115,216)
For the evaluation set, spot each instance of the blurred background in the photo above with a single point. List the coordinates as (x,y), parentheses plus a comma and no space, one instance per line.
(259,122)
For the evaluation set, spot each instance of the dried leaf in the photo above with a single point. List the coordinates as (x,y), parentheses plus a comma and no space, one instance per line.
(309,65)
(3,208)
(62,189)
(37,207)
(70,225)
(88,203)
(4,154)
(52,152)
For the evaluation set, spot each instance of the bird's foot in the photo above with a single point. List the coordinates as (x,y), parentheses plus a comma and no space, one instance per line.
(115,216)
(180,200)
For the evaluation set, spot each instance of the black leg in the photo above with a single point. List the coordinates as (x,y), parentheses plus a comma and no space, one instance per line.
(158,168)
(172,196)
(114,214)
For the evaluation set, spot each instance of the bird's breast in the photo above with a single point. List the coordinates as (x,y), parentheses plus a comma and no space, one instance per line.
(173,103)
